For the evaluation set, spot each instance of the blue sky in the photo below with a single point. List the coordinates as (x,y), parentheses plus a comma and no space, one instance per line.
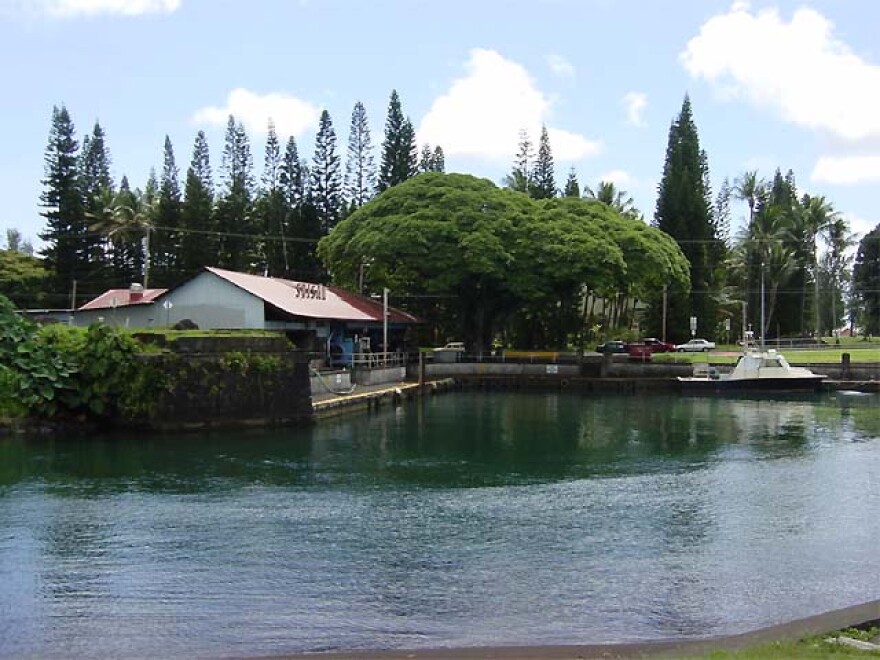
(788,84)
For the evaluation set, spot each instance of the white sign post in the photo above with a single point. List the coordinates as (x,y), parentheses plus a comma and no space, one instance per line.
(693,326)
(167,305)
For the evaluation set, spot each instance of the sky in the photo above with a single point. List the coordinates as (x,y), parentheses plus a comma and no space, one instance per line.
(790,85)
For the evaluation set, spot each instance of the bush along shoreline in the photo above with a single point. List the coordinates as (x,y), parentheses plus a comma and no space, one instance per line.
(61,375)
(58,378)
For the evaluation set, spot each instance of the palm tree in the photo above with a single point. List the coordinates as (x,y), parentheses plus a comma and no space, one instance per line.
(768,239)
(815,217)
(620,200)
(837,258)
(126,219)
(750,189)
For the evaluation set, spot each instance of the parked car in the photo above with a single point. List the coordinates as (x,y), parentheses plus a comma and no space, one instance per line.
(658,345)
(695,346)
(612,346)
(451,352)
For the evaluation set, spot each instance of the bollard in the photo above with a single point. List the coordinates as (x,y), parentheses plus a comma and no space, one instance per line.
(844,368)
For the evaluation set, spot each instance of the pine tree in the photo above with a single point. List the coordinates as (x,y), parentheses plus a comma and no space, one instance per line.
(544,182)
(67,252)
(94,163)
(721,212)
(684,212)
(198,243)
(426,159)
(272,209)
(572,187)
(165,243)
(432,160)
(234,213)
(325,177)
(439,159)
(520,177)
(293,175)
(399,149)
(360,168)
(96,186)
(409,150)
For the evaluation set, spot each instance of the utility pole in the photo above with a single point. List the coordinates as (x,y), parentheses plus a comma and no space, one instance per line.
(762,305)
(664,313)
(385,322)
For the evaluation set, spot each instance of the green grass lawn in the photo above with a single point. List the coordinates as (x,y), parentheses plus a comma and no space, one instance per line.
(830,355)
(810,647)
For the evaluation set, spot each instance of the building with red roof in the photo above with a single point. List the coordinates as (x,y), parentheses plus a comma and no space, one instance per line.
(314,316)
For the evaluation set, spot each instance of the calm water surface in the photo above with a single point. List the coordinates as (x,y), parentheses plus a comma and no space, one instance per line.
(468,519)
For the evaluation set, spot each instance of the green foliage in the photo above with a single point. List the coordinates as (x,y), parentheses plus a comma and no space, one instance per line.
(866,281)
(326,175)
(399,159)
(684,212)
(243,363)
(59,372)
(23,279)
(68,248)
(543,178)
(473,256)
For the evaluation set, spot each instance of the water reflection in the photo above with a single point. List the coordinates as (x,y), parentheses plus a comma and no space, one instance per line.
(449,441)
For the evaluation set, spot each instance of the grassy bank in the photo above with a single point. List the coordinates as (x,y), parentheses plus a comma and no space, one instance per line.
(810,647)
(729,355)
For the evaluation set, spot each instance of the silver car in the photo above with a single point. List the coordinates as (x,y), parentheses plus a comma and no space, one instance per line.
(695,346)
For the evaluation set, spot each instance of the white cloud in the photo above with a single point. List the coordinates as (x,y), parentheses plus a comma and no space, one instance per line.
(846,170)
(482,113)
(71,8)
(292,116)
(635,104)
(859,226)
(798,68)
(619,178)
(560,66)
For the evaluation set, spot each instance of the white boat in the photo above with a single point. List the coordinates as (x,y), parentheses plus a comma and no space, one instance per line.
(756,370)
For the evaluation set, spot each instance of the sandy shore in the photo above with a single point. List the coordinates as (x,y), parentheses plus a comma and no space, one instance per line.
(793,630)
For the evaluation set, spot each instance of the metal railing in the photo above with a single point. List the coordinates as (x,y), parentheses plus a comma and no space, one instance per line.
(377,360)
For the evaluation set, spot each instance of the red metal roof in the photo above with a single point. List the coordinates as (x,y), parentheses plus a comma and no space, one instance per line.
(123,298)
(311,300)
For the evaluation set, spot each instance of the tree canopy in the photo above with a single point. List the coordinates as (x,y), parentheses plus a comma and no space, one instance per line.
(475,257)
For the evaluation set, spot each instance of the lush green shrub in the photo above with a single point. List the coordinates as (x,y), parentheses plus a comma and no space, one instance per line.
(60,371)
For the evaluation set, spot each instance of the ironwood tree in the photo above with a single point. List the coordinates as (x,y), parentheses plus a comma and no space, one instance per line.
(684,212)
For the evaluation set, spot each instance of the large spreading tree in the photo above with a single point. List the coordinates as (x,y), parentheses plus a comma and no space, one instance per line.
(478,259)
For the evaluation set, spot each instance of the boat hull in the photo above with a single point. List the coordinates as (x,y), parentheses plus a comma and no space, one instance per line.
(780,385)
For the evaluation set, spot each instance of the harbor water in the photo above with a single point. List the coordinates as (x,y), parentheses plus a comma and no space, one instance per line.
(467,519)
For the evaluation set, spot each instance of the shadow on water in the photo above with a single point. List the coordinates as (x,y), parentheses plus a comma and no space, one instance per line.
(456,441)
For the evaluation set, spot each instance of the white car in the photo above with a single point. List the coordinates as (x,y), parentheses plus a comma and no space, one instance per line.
(695,346)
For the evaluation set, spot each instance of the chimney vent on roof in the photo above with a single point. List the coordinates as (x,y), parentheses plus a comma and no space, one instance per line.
(135,292)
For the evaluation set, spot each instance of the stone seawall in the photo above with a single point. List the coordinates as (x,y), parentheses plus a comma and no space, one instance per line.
(223,384)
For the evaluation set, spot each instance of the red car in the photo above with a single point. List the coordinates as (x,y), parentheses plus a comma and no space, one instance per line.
(658,346)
